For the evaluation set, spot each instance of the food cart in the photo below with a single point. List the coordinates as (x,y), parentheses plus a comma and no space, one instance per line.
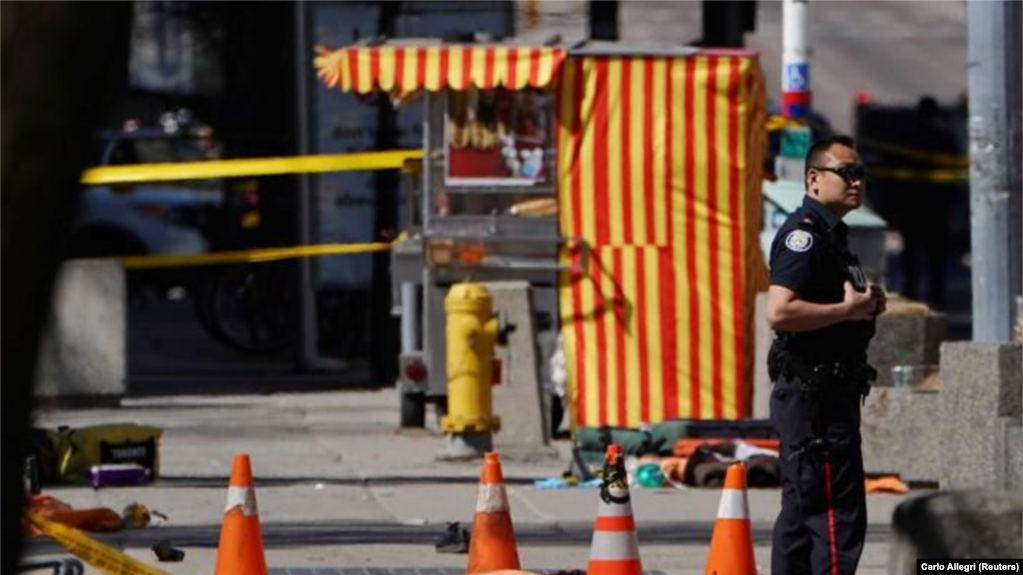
(622,183)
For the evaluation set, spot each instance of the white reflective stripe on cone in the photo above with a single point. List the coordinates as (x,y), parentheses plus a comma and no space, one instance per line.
(733,505)
(491,498)
(615,509)
(243,498)
(614,546)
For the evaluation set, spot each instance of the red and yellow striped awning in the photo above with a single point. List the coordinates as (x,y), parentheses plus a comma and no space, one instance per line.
(405,69)
(659,171)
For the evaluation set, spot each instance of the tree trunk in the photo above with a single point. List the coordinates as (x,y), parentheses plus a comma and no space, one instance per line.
(63,63)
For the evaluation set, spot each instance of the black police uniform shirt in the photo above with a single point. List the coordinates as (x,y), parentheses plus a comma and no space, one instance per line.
(810,256)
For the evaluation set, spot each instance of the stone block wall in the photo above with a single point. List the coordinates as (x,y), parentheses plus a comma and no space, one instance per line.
(83,351)
(981,410)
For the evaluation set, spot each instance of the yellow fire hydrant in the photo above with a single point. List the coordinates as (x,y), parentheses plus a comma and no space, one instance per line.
(472,332)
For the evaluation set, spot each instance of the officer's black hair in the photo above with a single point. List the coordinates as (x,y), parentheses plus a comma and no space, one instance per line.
(819,147)
(817,150)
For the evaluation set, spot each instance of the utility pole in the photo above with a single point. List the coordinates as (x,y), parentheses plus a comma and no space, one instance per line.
(795,58)
(996,187)
(383,327)
(307,352)
(603,20)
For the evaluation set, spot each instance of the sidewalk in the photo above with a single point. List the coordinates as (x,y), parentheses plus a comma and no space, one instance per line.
(338,487)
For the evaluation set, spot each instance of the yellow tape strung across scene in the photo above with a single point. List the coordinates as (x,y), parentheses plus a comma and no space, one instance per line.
(911,175)
(391,160)
(103,557)
(253,256)
(938,159)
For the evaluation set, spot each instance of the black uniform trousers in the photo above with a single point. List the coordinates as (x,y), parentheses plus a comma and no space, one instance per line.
(823,519)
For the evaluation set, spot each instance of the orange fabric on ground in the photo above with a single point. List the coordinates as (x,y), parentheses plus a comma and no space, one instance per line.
(100,519)
(887,484)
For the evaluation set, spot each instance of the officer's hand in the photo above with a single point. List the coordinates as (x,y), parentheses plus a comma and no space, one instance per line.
(880,299)
(859,305)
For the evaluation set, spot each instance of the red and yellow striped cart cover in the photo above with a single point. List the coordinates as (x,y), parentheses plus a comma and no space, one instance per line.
(408,68)
(659,170)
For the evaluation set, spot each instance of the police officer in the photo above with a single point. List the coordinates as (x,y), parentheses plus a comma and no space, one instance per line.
(822,309)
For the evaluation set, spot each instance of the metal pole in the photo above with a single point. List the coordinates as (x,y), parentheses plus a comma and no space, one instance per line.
(995,147)
(795,58)
(409,317)
(307,348)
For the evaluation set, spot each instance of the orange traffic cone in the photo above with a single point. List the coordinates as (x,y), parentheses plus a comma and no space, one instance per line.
(241,541)
(731,546)
(492,545)
(615,549)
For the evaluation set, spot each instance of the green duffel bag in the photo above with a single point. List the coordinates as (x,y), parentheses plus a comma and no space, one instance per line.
(666,434)
(596,439)
(660,439)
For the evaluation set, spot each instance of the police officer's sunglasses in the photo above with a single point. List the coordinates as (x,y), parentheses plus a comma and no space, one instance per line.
(849,173)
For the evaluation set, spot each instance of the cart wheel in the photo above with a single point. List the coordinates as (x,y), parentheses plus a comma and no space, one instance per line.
(413,409)
(251,306)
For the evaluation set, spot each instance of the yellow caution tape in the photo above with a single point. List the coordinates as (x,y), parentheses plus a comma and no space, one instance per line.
(101,556)
(167,172)
(253,255)
(776,122)
(939,159)
(912,175)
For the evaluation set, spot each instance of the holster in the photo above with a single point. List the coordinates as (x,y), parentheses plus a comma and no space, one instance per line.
(776,357)
(818,381)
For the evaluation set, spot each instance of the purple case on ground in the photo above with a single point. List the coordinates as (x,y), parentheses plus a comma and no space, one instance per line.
(116,474)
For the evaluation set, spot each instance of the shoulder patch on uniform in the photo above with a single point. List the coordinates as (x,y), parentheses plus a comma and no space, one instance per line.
(799,241)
